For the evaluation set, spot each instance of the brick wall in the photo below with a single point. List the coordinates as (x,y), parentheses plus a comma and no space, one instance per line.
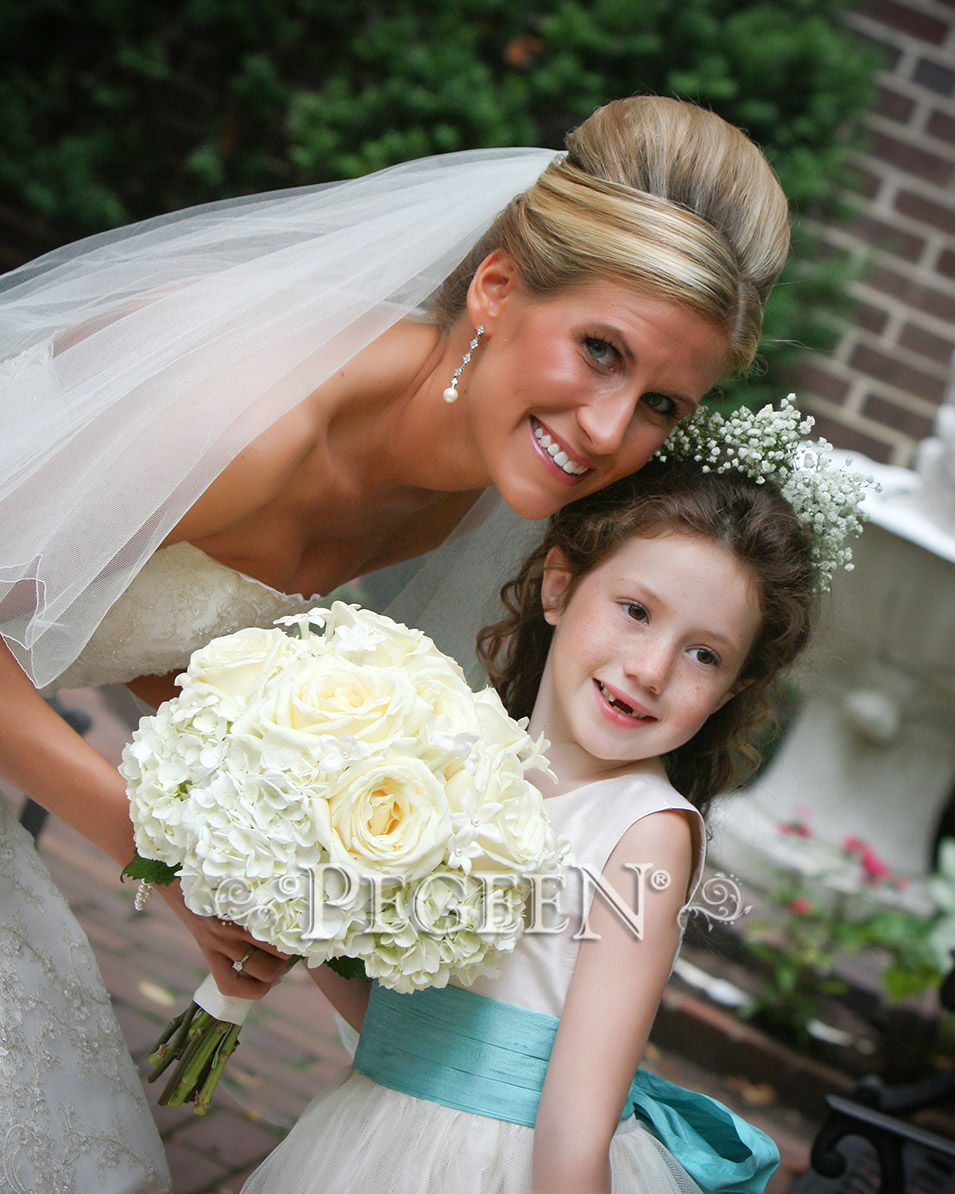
(879,390)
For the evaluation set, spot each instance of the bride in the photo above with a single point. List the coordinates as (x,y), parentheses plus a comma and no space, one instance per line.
(213,415)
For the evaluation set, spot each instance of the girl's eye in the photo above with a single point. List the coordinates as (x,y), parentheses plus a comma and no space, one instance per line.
(636,611)
(662,405)
(705,656)
(602,352)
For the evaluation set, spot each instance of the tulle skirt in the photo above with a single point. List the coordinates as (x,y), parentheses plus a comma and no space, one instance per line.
(361,1138)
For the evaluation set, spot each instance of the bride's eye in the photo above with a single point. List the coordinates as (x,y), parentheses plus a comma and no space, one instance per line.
(602,352)
(661,405)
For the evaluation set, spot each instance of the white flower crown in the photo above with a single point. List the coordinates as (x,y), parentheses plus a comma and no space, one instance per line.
(769,445)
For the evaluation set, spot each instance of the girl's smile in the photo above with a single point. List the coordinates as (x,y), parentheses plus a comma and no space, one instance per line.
(620,710)
(646,646)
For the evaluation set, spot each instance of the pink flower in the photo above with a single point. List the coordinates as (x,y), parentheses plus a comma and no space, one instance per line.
(854,845)
(800,906)
(795,828)
(873,866)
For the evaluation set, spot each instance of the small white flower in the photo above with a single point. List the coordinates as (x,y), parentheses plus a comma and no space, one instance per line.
(767,445)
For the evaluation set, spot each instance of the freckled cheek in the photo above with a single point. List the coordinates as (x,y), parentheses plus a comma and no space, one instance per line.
(702,703)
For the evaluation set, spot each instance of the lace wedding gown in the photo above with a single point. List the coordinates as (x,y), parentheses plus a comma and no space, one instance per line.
(73,1117)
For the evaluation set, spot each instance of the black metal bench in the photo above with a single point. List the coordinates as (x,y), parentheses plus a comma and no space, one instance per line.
(865,1146)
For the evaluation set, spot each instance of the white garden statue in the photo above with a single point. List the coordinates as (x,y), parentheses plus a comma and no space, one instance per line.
(935,464)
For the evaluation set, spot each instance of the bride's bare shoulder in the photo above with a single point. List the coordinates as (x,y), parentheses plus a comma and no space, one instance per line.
(256,476)
(275,460)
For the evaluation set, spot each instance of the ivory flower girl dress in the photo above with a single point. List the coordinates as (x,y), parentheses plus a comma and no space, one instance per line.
(445,1084)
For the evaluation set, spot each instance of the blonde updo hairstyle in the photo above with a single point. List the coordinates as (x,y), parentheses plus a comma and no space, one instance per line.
(658,194)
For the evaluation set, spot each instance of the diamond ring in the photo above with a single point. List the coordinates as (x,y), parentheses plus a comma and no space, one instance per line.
(239,966)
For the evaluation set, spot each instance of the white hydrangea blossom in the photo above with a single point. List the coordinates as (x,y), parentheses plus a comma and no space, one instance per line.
(770,445)
(352,746)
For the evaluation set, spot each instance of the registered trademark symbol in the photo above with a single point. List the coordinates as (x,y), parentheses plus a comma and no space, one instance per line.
(660,880)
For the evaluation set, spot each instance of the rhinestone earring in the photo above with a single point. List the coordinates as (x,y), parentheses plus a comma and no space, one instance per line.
(451,393)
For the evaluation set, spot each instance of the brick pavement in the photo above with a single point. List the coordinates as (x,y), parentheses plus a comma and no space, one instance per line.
(289,1048)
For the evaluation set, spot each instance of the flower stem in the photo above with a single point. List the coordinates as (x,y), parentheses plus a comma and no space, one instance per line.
(164,1053)
(201,1045)
(226,1048)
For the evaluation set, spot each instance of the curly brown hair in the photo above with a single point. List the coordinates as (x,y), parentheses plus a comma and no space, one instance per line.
(753,520)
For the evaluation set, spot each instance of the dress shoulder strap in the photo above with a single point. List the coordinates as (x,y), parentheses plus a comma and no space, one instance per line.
(596,816)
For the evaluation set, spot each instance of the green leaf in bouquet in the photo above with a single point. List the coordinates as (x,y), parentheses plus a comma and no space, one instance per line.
(149,870)
(347,967)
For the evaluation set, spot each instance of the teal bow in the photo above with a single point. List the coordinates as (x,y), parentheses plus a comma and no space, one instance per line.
(460,1049)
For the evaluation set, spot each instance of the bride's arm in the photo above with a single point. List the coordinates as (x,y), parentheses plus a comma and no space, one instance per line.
(54,766)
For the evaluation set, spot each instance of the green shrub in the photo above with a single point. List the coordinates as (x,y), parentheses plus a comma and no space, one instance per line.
(114,111)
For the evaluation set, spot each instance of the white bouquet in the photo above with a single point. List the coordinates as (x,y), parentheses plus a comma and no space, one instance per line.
(342,793)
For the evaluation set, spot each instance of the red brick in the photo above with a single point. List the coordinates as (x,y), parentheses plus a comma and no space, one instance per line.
(946,263)
(887,369)
(935,348)
(917,207)
(192,1171)
(898,417)
(911,159)
(237,1181)
(864,181)
(823,250)
(913,294)
(894,106)
(887,238)
(907,20)
(865,315)
(942,126)
(850,438)
(230,1138)
(934,76)
(818,380)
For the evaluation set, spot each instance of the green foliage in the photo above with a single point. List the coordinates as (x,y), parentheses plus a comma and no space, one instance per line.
(114,111)
(347,967)
(814,921)
(149,870)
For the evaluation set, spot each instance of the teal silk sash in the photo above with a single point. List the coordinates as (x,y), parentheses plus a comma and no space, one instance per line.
(475,1054)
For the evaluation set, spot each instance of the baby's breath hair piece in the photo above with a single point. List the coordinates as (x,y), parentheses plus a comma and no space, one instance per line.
(770,445)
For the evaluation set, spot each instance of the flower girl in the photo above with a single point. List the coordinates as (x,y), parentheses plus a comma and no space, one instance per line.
(643,638)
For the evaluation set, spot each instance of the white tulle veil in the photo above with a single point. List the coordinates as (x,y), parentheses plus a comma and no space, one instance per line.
(136,364)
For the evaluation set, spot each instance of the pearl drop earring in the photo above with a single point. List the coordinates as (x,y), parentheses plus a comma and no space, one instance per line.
(451,393)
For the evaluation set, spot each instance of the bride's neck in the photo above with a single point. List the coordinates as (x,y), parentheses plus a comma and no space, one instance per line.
(391,422)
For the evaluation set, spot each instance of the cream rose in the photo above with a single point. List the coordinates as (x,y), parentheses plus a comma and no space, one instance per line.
(449,700)
(386,817)
(232,668)
(363,748)
(377,641)
(332,698)
(518,836)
